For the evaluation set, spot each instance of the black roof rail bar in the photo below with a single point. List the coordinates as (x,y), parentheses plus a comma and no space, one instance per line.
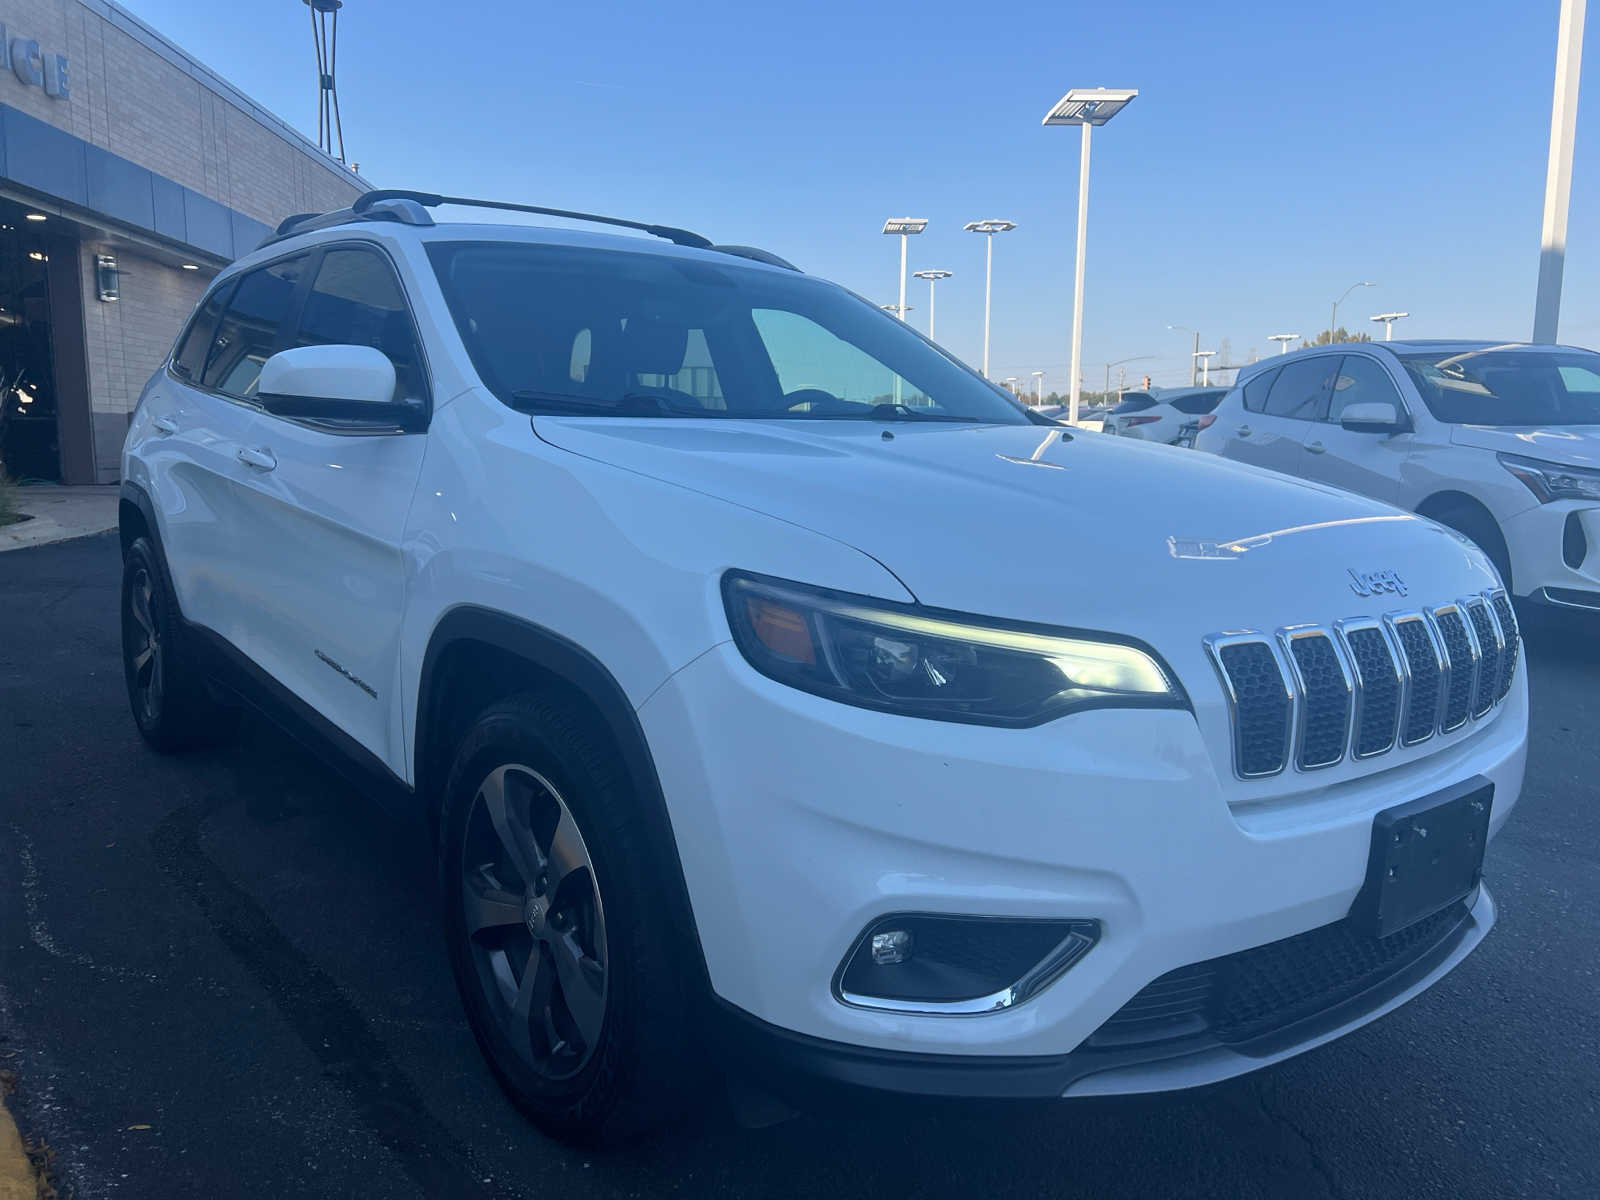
(757,254)
(681,237)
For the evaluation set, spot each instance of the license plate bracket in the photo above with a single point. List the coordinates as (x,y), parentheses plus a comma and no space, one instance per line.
(1425,855)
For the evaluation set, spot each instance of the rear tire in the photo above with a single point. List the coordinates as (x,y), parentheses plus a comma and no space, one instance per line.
(168,690)
(558,927)
(1475,523)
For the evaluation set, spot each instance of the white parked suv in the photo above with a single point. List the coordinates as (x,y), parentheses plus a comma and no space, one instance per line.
(685,598)
(1500,442)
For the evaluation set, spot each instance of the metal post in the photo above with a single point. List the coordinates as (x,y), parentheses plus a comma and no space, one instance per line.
(930,309)
(1558,174)
(901,311)
(988,275)
(1077,283)
(1333,320)
(1194,361)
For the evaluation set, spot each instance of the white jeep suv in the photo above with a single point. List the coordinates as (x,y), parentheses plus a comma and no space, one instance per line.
(684,597)
(1500,442)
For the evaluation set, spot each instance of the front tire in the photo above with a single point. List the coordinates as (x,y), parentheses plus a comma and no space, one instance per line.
(167,687)
(558,927)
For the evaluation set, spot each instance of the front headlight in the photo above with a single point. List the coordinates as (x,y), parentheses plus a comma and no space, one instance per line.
(1552,481)
(926,663)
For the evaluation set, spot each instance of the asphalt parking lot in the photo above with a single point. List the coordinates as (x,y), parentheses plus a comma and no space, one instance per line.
(221,975)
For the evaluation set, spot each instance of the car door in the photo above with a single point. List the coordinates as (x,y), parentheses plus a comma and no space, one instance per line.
(330,508)
(194,426)
(1279,407)
(1366,463)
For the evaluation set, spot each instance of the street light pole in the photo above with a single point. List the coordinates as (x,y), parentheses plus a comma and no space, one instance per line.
(1205,366)
(932,277)
(1038,387)
(905,227)
(1085,107)
(990,228)
(1558,172)
(1388,320)
(1333,321)
(1194,358)
(1283,340)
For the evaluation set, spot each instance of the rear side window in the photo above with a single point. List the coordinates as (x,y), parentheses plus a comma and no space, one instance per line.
(1198,403)
(356,301)
(248,333)
(1135,402)
(1360,381)
(190,360)
(1300,392)
(1255,389)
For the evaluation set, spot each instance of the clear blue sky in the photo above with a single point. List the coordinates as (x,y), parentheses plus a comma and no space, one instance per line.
(1271,159)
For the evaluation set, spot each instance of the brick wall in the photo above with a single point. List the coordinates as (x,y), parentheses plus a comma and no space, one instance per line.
(127,339)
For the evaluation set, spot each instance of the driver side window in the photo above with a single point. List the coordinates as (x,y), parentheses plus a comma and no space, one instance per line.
(808,358)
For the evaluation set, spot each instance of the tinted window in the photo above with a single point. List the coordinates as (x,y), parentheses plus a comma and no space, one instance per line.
(1255,390)
(248,333)
(1509,387)
(190,360)
(1361,380)
(1197,403)
(1301,390)
(356,301)
(1133,402)
(625,334)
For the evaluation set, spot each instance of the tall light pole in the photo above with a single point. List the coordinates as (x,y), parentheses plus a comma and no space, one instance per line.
(905,227)
(1558,173)
(1388,320)
(932,277)
(1194,358)
(1205,366)
(1118,363)
(1333,321)
(1086,108)
(1283,340)
(989,227)
(1038,387)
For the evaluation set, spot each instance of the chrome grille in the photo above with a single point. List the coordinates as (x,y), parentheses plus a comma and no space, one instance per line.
(1310,695)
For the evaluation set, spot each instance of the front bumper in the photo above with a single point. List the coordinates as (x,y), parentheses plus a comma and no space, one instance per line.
(1556,547)
(810,819)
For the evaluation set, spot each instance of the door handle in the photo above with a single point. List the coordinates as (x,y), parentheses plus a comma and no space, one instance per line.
(1244,431)
(1316,448)
(165,425)
(262,460)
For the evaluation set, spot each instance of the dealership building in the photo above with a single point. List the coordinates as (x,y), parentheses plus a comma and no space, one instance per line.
(129,175)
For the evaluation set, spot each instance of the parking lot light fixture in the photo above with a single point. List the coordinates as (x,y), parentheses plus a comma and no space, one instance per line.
(1038,387)
(905,227)
(1283,340)
(1194,358)
(989,227)
(932,277)
(1205,366)
(1086,108)
(1388,320)
(1333,321)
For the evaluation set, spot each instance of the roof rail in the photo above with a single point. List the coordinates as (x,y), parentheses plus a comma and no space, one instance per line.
(404,211)
(681,237)
(756,254)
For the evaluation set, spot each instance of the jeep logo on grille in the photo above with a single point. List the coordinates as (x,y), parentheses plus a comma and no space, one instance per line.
(1375,583)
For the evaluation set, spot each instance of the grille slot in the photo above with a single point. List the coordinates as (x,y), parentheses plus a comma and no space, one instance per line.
(1508,628)
(1326,698)
(1262,705)
(1379,686)
(1426,674)
(1462,663)
(1488,635)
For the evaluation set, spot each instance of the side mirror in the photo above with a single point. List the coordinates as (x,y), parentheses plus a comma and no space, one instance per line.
(1372,416)
(334,383)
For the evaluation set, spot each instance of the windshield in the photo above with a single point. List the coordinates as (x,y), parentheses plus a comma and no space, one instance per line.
(566,329)
(1509,386)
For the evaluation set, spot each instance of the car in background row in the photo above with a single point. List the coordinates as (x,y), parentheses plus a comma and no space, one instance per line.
(1161,416)
(1499,442)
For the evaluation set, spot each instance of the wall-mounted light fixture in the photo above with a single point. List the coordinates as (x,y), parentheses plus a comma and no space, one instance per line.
(107,279)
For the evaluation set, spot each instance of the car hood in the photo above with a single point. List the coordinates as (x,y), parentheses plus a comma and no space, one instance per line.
(1049,525)
(1571,445)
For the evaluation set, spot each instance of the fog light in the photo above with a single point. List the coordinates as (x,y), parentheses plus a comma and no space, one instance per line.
(892,946)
